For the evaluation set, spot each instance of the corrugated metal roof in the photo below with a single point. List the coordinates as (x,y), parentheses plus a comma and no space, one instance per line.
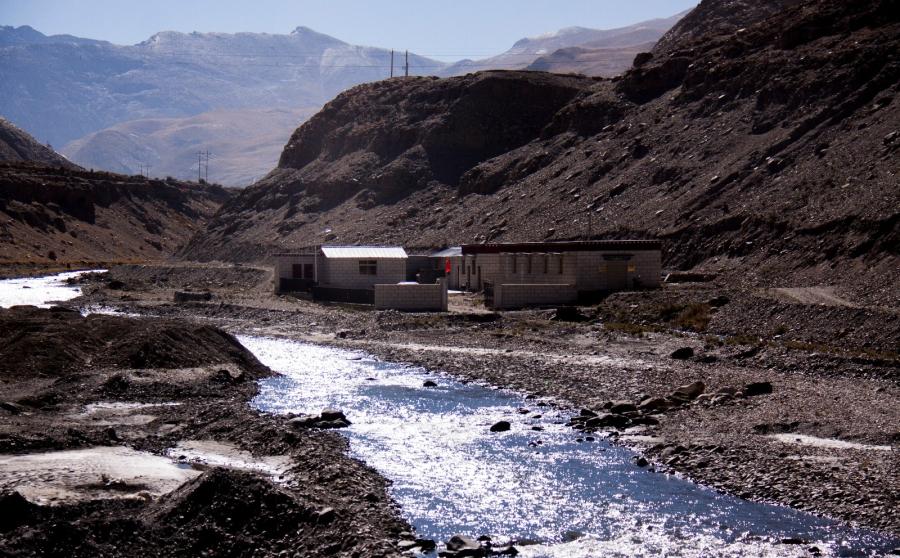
(447,252)
(373,252)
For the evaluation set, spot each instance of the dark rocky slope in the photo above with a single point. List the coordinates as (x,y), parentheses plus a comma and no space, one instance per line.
(16,145)
(55,215)
(764,147)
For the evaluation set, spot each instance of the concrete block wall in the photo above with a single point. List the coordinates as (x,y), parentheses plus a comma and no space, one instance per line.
(646,264)
(284,265)
(412,297)
(516,295)
(344,273)
(537,268)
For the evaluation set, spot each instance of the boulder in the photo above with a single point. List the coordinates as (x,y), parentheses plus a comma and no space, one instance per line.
(429,383)
(332,414)
(607,420)
(689,392)
(655,404)
(427,545)
(303,421)
(683,353)
(501,426)
(621,407)
(758,388)
(462,542)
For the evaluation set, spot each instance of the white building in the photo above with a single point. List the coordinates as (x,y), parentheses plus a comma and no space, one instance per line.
(358,274)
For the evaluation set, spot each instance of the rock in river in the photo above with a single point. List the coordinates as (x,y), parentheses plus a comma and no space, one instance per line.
(501,426)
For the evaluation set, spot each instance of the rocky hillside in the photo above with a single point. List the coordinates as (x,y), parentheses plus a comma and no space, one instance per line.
(767,153)
(58,216)
(16,145)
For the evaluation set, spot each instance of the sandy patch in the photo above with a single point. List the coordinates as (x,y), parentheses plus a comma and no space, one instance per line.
(220,454)
(828,443)
(93,473)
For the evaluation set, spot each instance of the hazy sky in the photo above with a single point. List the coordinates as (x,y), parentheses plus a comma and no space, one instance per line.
(446,29)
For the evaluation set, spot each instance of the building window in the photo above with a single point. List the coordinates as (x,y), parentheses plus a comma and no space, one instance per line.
(297,271)
(528,268)
(515,270)
(560,264)
(368,267)
(308,271)
(546,264)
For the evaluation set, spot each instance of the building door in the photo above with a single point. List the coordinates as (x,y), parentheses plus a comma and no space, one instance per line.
(479,278)
(617,275)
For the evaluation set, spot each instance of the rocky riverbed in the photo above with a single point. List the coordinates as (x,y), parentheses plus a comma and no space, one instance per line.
(823,440)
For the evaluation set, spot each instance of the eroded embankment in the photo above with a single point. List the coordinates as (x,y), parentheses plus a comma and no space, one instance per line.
(135,437)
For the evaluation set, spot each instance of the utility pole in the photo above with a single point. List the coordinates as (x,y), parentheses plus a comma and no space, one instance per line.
(392,63)
(142,169)
(407,63)
(207,165)
(148,172)
(199,158)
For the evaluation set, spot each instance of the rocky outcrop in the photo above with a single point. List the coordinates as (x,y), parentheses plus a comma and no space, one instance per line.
(758,146)
(17,146)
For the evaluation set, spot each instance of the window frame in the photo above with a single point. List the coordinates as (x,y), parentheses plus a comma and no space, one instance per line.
(368,267)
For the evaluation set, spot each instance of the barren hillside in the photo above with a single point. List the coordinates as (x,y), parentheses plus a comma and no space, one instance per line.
(764,149)
(61,216)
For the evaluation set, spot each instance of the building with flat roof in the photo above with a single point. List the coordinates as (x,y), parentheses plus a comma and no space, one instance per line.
(357,274)
(545,273)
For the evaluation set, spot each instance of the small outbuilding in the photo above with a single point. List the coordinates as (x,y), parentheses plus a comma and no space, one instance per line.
(357,274)
(340,273)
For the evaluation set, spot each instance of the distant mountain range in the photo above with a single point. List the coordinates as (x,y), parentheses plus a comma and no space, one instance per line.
(526,51)
(158,102)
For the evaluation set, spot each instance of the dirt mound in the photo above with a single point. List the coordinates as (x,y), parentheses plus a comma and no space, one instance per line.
(59,343)
(766,152)
(222,512)
(16,145)
(60,215)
